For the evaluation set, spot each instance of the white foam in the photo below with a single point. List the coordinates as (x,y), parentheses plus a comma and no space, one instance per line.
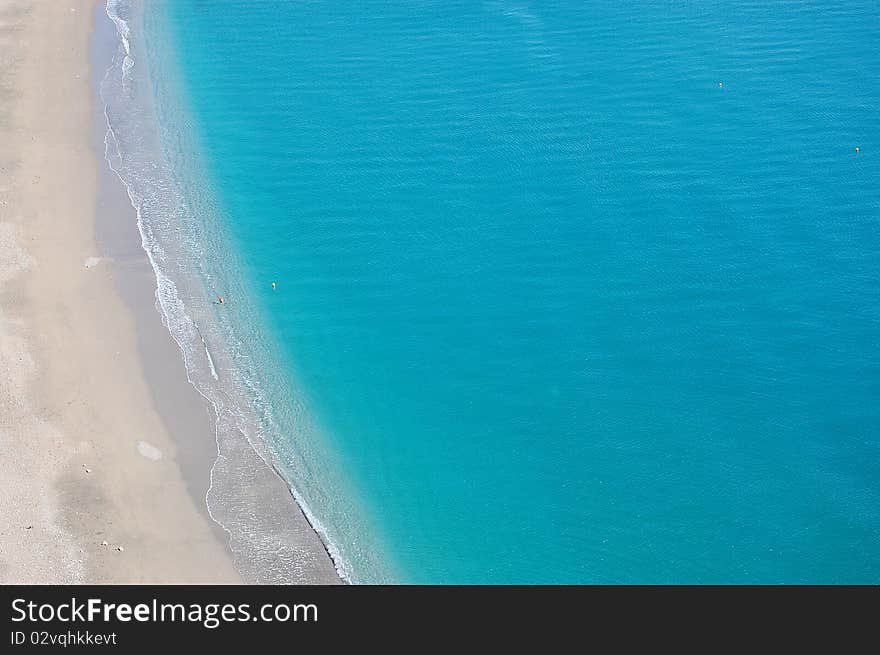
(91,262)
(211,363)
(166,223)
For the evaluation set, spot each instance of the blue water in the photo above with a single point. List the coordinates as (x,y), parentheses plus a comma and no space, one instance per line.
(569,291)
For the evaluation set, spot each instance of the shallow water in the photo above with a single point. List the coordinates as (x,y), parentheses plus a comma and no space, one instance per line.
(566,292)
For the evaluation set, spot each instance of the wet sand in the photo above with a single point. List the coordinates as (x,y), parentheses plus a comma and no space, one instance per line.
(105,450)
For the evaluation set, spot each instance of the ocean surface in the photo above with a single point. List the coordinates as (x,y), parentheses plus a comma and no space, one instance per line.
(566,292)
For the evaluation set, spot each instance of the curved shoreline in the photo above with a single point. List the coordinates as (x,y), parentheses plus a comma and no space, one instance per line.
(95,482)
(271,538)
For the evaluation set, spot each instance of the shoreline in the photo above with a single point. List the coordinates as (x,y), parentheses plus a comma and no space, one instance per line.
(96,491)
(263,524)
(181,409)
(108,450)
(108,447)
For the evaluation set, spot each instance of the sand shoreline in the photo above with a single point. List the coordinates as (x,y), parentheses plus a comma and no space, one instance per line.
(106,449)
(270,538)
(93,481)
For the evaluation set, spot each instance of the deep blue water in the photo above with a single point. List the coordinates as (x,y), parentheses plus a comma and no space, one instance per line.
(575,291)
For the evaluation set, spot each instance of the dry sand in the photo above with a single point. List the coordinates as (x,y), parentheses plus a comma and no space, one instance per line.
(85,459)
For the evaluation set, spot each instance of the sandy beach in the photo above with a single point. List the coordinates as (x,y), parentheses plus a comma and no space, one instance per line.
(96,488)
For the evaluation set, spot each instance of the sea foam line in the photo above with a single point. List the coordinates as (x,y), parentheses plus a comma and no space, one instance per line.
(170,306)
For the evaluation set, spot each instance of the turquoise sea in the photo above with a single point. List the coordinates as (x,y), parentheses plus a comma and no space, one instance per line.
(566,292)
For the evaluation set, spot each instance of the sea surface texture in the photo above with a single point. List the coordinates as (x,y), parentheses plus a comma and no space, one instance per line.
(565,292)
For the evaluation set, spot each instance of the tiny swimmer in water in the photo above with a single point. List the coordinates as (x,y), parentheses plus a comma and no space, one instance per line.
(273,285)
(220,300)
